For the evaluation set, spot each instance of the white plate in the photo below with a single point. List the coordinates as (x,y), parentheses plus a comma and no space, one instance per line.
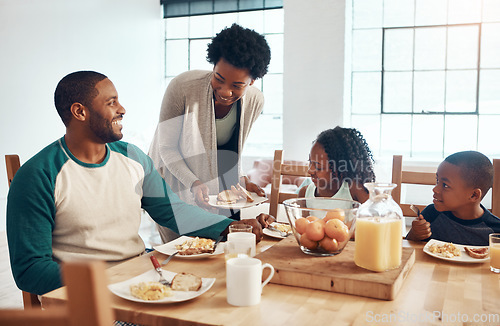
(464,257)
(122,289)
(169,249)
(274,234)
(242,203)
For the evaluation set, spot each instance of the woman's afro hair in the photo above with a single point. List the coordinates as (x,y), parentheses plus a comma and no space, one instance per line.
(241,47)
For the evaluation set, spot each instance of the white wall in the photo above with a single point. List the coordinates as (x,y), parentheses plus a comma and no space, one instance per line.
(42,41)
(313,87)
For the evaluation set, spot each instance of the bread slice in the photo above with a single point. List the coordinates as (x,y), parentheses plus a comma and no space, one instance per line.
(478,253)
(245,193)
(186,282)
(227,197)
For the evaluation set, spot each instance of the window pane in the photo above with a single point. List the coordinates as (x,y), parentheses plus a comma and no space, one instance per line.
(276,44)
(367,13)
(427,135)
(461,91)
(396,134)
(366,89)
(490,46)
(398,49)
(488,135)
(431,12)
(222,21)
(399,13)
(177,27)
(397,92)
(200,7)
(251,4)
(460,133)
(198,55)
(369,126)
(462,47)
(464,11)
(491,10)
(253,20)
(367,50)
(200,26)
(273,21)
(176,57)
(265,137)
(273,93)
(489,96)
(225,5)
(429,90)
(430,48)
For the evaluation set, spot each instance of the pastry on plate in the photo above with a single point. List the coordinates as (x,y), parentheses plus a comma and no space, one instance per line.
(186,282)
(478,253)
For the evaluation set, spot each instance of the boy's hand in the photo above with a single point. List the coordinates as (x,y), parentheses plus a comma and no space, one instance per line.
(420,229)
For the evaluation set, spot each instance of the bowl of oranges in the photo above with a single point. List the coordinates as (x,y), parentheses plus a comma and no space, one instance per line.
(321,226)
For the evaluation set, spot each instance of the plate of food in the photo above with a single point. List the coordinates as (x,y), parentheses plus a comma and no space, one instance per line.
(457,253)
(146,288)
(278,230)
(235,198)
(189,247)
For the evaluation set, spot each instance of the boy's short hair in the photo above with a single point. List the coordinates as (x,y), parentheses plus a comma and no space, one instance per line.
(475,168)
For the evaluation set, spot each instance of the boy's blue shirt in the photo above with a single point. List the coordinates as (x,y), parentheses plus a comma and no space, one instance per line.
(447,227)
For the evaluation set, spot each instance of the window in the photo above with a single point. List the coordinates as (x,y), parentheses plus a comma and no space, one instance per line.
(425,76)
(186,40)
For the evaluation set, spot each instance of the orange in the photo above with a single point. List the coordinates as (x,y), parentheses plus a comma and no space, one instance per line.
(308,243)
(315,231)
(337,213)
(312,218)
(336,229)
(301,224)
(329,244)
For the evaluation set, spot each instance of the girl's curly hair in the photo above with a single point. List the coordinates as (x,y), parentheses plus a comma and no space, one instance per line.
(348,154)
(241,47)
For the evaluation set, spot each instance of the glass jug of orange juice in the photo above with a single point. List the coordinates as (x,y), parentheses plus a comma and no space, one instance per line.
(378,233)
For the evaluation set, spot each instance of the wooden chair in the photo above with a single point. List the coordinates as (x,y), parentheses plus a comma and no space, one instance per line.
(89,301)
(12,163)
(399,176)
(280,169)
(495,190)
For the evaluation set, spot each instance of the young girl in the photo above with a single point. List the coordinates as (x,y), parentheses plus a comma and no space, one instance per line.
(340,162)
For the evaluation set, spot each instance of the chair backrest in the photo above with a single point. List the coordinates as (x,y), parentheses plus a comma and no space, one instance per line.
(495,190)
(89,301)
(12,164)
(400,176)
(280,169)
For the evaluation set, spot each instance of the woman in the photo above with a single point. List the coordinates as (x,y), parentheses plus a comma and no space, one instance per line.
(206,117)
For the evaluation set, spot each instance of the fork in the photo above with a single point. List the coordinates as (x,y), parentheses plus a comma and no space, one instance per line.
(158,269)
(416,210)
(282,233)
(169,258)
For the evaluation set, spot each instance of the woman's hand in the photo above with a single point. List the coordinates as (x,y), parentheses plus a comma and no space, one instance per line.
(252,187)
(200,193)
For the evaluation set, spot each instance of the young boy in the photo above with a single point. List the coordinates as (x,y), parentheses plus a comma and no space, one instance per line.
(457,215)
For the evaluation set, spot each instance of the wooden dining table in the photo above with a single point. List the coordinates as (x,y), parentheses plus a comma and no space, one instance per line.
(434,292)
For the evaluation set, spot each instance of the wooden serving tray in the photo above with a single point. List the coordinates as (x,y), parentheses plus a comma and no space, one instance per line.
(335,273)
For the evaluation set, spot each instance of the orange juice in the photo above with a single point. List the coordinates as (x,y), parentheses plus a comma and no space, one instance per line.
(495,255)
(378,244)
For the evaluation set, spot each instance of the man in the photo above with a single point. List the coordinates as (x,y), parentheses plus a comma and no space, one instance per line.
(81,196)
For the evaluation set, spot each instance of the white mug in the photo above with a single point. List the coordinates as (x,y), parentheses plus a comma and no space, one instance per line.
(244,280)
(243,240)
